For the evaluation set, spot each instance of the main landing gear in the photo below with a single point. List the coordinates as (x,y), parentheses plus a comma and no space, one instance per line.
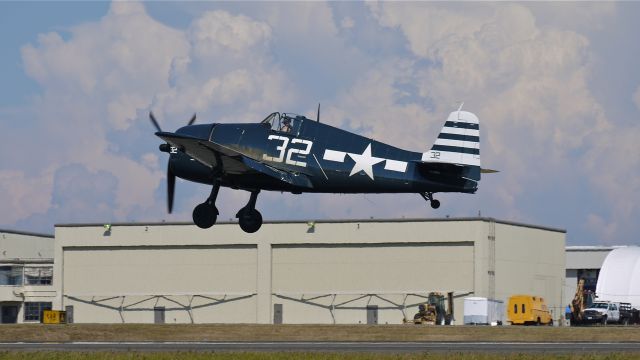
(206,214)
(429,197)
(249,218)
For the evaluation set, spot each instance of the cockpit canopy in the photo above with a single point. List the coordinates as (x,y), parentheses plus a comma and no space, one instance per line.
(285,122)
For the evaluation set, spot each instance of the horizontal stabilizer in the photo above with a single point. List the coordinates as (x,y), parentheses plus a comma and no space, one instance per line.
(436,168)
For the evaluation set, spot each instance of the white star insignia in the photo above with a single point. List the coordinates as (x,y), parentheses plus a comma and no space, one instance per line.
(364,162)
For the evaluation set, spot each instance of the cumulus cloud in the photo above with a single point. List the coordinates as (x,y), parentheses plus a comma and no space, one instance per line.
(78,195)
(97,86)
(525,69)
(530,86)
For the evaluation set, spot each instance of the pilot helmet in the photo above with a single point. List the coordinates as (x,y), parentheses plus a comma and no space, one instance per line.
(286,121)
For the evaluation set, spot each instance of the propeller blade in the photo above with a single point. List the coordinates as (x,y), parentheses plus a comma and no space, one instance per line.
(153,120)
(171,185)
(318,116)
(193,119)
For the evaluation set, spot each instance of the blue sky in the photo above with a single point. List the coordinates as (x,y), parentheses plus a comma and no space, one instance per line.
(555,85)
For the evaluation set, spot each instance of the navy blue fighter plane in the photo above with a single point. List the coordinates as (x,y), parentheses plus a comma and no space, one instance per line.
(291,153)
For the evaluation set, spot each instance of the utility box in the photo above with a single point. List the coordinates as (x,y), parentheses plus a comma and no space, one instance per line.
(483,311)
(54,317)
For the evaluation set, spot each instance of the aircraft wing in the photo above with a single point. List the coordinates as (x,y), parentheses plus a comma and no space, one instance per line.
(210,154)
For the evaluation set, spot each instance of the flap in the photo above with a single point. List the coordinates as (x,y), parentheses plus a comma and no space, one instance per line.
(295,179)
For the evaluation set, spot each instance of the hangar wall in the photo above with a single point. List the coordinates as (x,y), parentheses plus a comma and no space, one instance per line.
(293,272)
(529,261)
(26,275)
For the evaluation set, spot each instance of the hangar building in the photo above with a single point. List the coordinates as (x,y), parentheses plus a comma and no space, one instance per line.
(356,271)
(584,262)
(26,275)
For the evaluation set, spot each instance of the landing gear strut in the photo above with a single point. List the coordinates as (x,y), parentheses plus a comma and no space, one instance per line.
(429,197)
(206,214)
(249,218)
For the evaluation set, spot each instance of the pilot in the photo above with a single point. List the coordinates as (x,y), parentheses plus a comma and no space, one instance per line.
(286,125)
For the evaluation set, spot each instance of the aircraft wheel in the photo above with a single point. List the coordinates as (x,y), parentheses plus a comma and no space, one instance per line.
(435,204)
(205,215)
(250,220)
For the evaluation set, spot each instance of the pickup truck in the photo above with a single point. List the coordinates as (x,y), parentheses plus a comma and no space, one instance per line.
(607,312)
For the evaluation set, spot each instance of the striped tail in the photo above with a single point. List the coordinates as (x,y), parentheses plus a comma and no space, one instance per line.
(458,143)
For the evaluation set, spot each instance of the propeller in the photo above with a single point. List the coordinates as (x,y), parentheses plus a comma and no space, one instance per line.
(153,120)
(193,119)
(171,177)
(171,186)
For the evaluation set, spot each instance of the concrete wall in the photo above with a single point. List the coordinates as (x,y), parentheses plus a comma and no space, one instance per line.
(327,273)
(25,246)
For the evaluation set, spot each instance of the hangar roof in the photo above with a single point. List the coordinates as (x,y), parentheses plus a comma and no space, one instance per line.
(329,221)
(587,257)
(26,233)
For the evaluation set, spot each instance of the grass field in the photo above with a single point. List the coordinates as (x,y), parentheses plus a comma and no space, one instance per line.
(289,356)
(217,332)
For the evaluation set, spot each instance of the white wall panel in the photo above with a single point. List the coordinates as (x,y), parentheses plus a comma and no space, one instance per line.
(388,270)
(132,275)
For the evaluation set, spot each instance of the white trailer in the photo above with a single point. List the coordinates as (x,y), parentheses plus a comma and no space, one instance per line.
(483,311)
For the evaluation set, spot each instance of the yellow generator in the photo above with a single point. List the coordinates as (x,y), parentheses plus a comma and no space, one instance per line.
(528,310)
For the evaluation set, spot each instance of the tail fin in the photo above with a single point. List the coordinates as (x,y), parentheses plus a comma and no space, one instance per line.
(458,143)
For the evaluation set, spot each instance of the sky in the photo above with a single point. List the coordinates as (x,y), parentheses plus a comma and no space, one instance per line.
(556,87)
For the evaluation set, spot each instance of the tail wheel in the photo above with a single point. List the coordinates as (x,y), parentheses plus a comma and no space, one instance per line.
(435,204)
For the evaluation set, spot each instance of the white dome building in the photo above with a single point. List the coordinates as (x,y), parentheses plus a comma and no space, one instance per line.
(619,278)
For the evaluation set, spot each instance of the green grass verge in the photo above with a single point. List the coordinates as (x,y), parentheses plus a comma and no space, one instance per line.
(246,332)
(288,356)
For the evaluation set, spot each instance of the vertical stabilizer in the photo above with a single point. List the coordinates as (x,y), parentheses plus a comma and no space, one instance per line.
(458,142)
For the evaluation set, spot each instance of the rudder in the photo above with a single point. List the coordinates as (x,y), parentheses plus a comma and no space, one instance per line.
(458,143)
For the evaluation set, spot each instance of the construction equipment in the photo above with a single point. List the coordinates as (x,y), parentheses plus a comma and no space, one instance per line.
(581,300)
(434,312)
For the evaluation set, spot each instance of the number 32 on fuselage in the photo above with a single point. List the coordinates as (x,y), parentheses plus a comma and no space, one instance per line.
(291,152)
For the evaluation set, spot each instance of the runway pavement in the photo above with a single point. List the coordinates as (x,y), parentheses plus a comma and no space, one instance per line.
(376,347)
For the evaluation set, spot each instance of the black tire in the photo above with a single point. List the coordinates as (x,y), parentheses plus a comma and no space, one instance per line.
(250,220)
(538,322)
(604,320)
(205,215)
(435,204)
